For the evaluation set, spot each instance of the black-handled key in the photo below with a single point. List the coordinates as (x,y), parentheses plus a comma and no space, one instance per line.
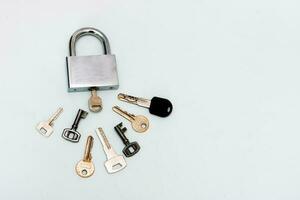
(71,134)
(131,148)
(157,106)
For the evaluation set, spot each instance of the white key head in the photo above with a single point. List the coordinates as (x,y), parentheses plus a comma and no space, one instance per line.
(44,128)
(115,164)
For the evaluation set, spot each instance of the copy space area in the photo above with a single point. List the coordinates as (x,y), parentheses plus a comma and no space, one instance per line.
(230,68)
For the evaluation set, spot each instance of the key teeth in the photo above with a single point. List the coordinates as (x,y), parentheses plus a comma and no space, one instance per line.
(121,128)
(84,114)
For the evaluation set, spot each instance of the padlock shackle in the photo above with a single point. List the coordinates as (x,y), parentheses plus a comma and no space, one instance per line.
(92,32)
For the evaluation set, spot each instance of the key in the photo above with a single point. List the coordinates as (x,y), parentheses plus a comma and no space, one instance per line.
(85,167)
(131,148)
(46,127)
(139,123)
(71,134)
(114,162)
(157,106)
(95,102)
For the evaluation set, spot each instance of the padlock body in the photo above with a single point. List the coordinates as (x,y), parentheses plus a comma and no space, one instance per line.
(85,72)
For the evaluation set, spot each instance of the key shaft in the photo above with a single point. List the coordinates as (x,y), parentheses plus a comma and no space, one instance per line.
(134,100)
(123,113)
(88,148)
(109,151)
(81,114)
(121,132)
(55,116)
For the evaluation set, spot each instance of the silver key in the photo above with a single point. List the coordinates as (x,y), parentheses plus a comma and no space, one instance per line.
(46,127)
(114,161)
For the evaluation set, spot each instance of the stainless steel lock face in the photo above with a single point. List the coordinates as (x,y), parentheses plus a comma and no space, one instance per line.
(96,71)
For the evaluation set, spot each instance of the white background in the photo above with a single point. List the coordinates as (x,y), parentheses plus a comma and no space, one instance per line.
(231,69)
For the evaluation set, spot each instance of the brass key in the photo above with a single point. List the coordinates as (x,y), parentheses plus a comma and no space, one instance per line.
(85,168)
(95,102)
(139,123)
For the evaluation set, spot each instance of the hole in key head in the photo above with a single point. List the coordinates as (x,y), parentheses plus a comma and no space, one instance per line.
(131,149)
(143,125)
(43,131)
(84,172)
(116,166)
(169,109)
(71,135)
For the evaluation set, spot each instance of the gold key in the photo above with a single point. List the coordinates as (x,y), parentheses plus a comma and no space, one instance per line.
(139,123)
(85,168)
(95,102)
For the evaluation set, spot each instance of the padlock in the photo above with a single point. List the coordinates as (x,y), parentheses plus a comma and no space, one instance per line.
(94,71)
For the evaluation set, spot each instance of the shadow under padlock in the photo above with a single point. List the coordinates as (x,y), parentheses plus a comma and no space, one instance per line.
(91,73)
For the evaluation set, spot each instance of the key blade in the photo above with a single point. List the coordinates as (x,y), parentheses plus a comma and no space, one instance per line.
(109,151)
(55,115)
(123,113)
(134,100)
(103,138)
(88,148)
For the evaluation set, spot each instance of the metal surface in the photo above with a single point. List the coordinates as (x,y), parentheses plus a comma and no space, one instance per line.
(85,167)
(95,102)
(85,72)
(71,134)
(114,161)
(92,32)
(134,100)
(139,123)
(46,127)
(131,148)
